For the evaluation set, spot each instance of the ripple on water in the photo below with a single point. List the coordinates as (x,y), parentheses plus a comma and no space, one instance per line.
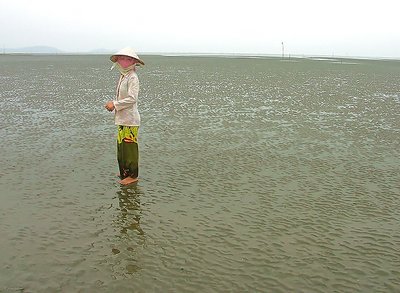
(256,175)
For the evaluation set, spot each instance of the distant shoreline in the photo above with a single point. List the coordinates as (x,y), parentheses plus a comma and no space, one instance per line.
(49,50)
(217,55)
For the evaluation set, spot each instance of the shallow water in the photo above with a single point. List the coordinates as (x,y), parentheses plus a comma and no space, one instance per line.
(256,175)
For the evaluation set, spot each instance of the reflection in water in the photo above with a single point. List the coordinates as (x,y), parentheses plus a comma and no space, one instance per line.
(129,203)
(131,236)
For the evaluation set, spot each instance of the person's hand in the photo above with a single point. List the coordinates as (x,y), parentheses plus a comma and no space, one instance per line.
(109,106)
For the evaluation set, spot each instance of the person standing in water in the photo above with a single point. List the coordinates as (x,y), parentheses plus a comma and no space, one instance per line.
(127,116)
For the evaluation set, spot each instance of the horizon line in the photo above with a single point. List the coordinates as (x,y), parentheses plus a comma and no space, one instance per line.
(44,49)
(205,54)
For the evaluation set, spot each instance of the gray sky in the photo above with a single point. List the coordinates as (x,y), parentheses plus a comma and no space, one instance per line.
(310,27)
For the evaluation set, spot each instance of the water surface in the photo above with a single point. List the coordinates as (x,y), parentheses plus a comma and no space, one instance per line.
(256,175)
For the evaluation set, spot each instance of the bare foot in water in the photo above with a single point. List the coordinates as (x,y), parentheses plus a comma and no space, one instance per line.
(128,180)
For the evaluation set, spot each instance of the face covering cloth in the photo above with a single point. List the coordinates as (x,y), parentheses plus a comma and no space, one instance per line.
(122,70)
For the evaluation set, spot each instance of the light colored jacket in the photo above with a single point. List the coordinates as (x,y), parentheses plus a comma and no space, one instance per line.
(125,103)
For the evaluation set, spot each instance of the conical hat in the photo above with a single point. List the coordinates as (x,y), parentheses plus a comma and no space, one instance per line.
(126,52)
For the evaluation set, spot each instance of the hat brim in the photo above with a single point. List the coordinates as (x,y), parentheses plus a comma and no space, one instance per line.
(114,58)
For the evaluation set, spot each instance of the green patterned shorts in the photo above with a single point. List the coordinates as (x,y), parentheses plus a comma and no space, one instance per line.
(128,151)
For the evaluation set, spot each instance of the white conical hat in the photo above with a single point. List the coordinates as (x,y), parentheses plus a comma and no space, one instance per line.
(126,52)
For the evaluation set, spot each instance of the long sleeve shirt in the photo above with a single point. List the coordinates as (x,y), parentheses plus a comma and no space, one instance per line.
(125,103)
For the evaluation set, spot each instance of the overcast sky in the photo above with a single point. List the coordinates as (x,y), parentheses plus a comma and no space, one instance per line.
(306,27)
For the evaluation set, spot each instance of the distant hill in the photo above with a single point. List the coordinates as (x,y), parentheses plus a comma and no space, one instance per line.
(34,49)
(51,50)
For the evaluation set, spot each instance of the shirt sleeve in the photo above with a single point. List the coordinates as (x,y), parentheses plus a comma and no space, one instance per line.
(133,92)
